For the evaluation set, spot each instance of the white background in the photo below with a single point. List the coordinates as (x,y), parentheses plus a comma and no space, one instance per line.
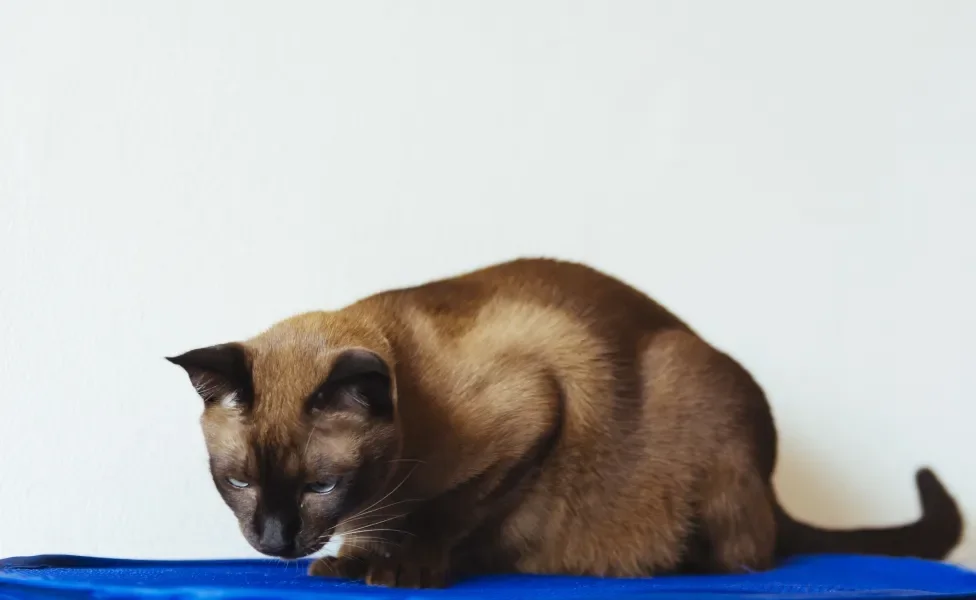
(797,180)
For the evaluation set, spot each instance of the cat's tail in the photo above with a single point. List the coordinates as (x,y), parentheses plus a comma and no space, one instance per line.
(932,536)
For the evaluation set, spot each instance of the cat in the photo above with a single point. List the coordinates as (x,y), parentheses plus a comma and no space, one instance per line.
(536,416)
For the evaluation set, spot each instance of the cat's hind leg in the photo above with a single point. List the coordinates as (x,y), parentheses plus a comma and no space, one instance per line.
(738,522)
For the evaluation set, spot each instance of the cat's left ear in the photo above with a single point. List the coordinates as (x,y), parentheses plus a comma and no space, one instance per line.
(359,381)
(221,374)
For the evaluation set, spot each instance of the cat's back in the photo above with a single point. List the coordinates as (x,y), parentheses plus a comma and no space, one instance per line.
(603,303)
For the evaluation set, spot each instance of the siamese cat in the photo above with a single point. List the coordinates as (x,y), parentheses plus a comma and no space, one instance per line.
(535,416)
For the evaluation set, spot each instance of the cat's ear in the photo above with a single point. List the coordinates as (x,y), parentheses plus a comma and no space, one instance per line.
(221,374)
(359,381)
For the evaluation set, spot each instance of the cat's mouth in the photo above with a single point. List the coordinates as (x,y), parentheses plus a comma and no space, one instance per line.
(296,550)
(295,553)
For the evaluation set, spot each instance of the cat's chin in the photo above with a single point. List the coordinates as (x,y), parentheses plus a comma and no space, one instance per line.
(331,548)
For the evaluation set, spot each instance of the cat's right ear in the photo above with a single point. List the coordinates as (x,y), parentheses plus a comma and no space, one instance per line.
(221,374)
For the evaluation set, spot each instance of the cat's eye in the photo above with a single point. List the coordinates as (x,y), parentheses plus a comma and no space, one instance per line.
(323,487)
(237,483)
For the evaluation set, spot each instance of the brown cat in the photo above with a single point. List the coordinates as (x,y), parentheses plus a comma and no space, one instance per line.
(536,416)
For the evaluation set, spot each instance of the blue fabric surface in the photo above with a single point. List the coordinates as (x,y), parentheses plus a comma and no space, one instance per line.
(834,577)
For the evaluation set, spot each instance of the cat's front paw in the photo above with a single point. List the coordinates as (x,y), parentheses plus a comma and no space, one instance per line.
(341,567)
(418,571)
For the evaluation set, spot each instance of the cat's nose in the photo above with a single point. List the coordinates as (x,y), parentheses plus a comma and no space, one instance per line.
(275,539)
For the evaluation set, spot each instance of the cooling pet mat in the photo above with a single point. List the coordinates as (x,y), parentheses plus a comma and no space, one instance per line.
(807,578)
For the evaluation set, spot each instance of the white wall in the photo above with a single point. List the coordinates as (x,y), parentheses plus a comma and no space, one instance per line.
(797,180)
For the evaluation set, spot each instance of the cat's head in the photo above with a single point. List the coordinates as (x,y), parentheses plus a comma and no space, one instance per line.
(300,425)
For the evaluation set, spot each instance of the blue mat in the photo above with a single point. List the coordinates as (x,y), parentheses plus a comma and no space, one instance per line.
(834,577)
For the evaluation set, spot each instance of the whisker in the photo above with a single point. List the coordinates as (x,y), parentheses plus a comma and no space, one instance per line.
(308,442)
(358,548)
(358,538)
(379,541)
(388,529)
(389,543)
(362,514)
(390,493)
(371,525)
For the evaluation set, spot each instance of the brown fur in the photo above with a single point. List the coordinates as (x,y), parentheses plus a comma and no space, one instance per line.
(544,418)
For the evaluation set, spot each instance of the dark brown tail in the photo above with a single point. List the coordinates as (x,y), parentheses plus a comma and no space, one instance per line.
(933,536)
